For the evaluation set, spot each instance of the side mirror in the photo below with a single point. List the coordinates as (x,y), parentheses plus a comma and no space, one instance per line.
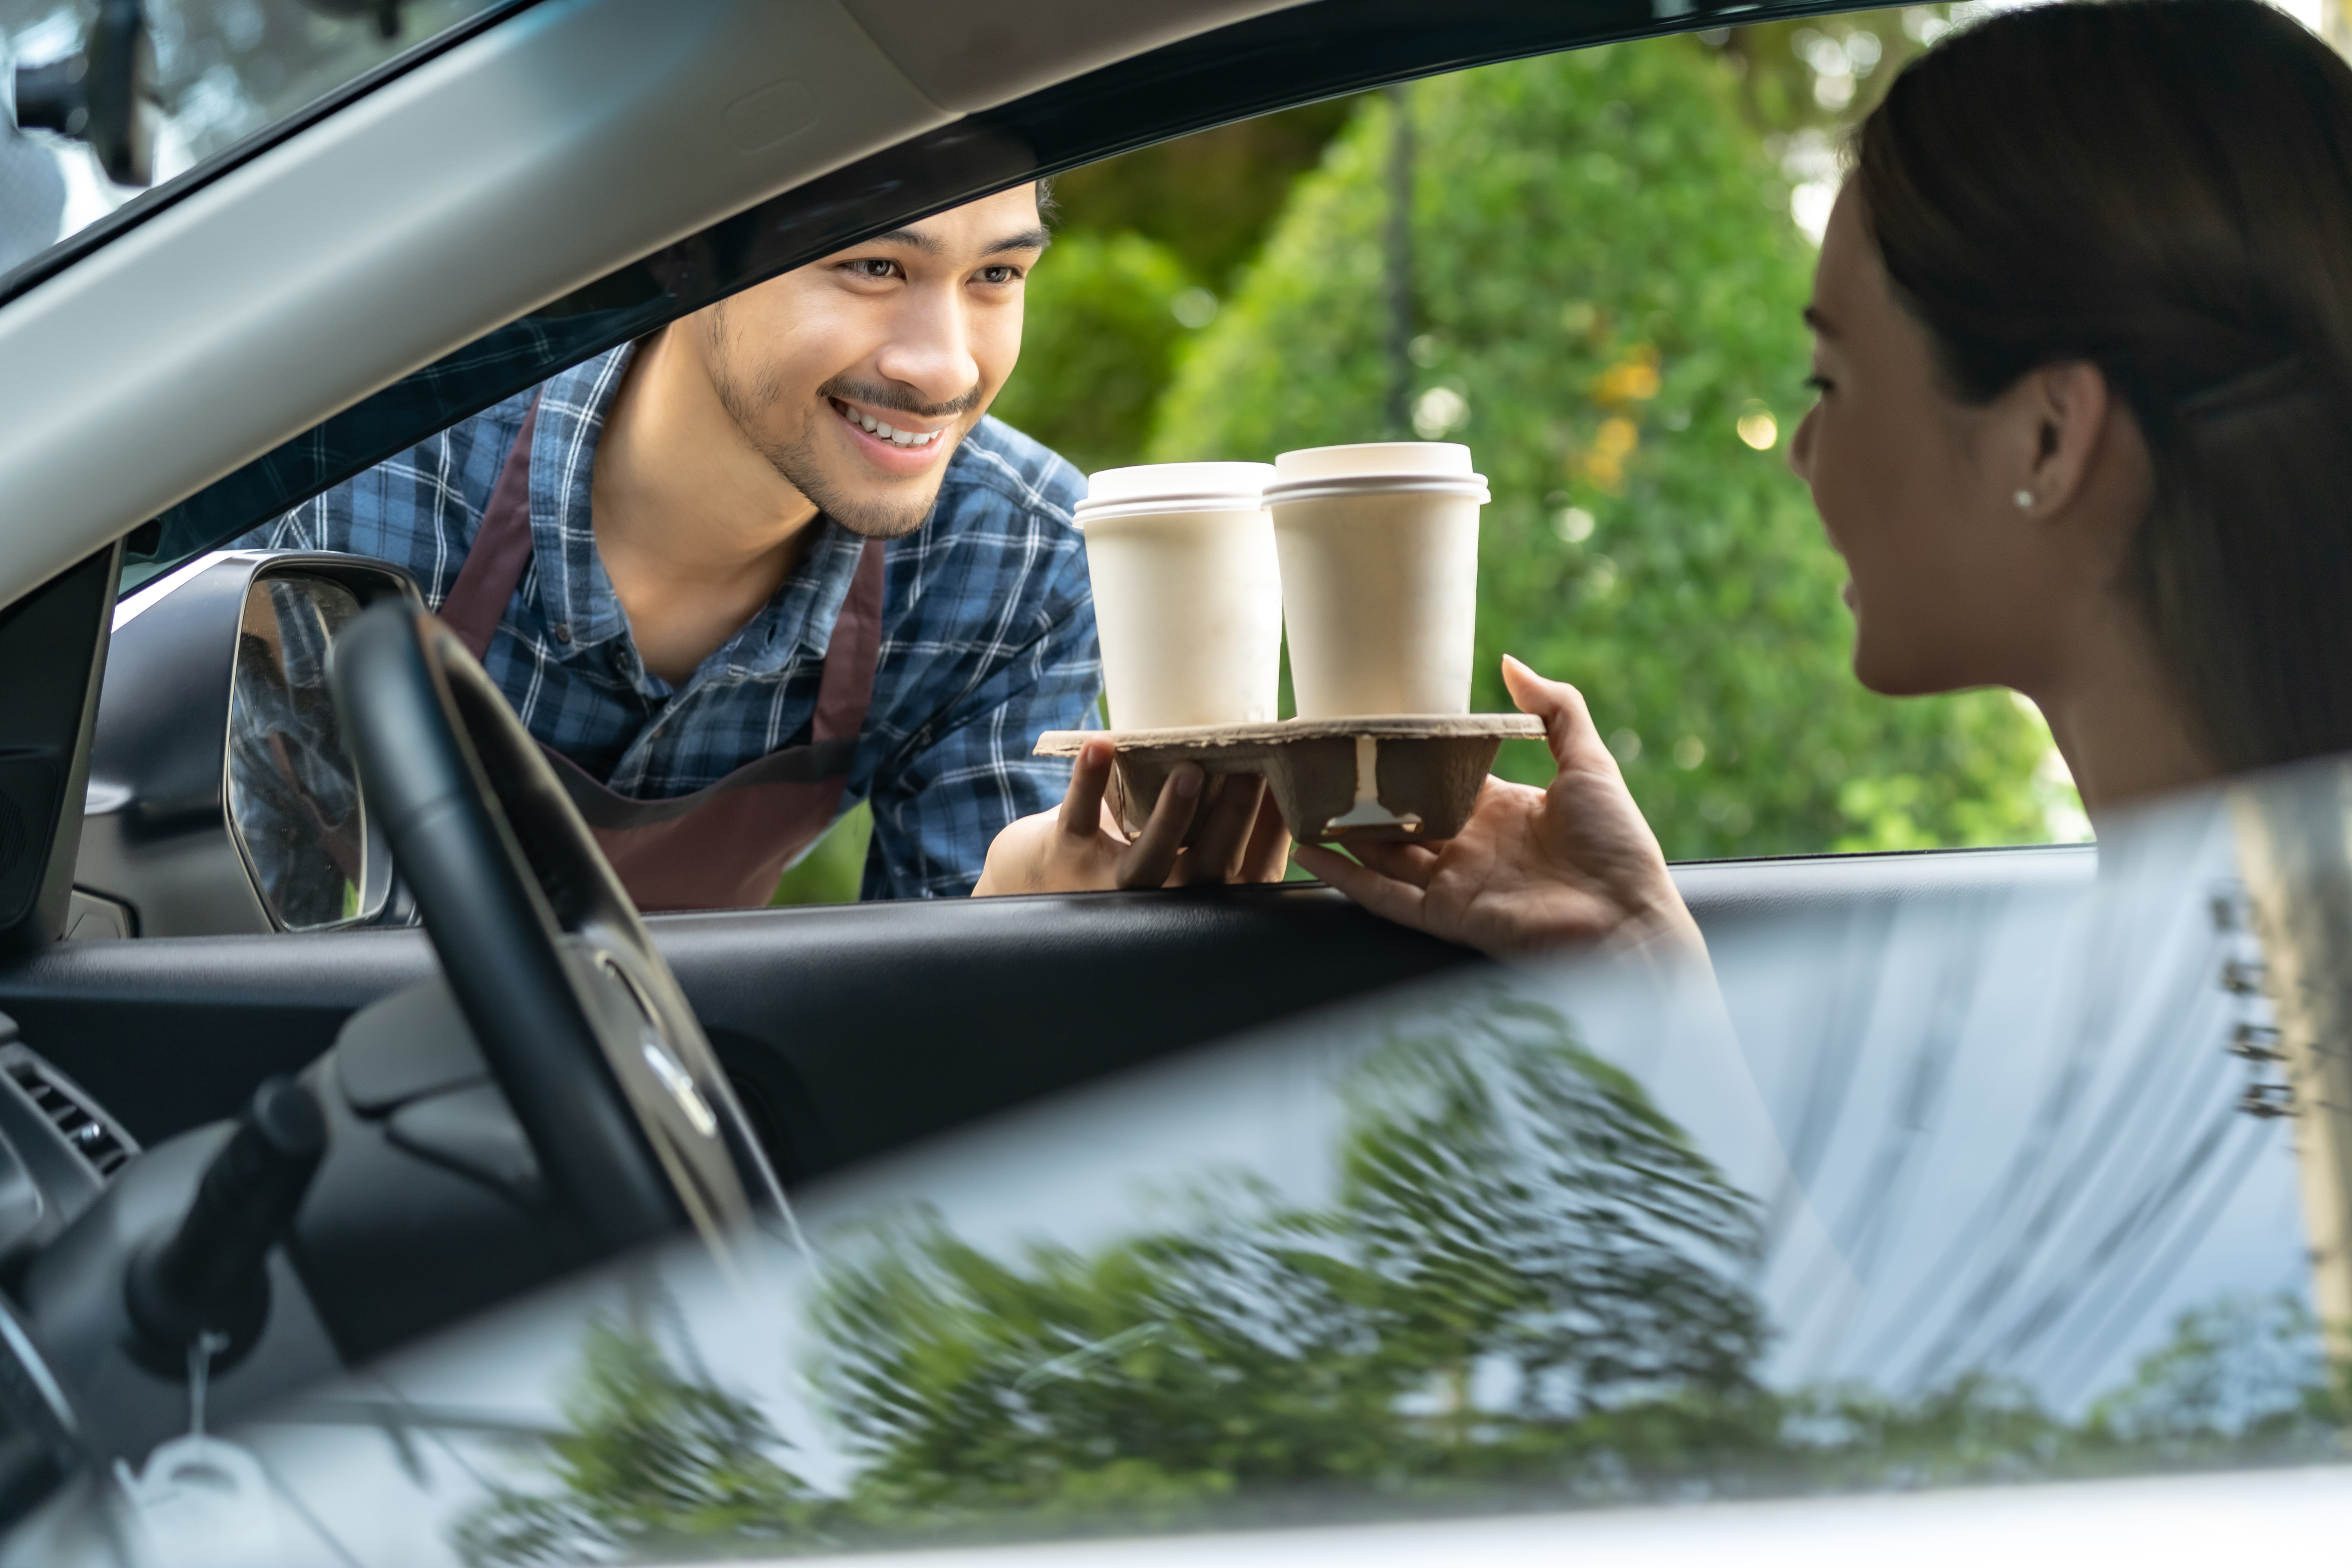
(294,805)
(105,95)
(221,797)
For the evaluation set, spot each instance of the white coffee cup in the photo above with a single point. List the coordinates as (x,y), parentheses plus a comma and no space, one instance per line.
(1379,546)
(1188,593)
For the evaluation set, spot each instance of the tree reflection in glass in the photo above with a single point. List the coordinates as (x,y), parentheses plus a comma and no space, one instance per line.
(1527,1288)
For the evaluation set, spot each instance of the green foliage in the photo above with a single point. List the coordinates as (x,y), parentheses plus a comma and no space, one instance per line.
(1208,197)
(1097,347)
(1524,1274)
(1608,284)
(1524,1289)
(658,1463)
(832,872)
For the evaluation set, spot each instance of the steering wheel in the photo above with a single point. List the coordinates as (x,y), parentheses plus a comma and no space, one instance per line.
(577,1013)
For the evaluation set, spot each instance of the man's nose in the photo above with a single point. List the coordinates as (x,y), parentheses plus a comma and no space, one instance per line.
(929,347)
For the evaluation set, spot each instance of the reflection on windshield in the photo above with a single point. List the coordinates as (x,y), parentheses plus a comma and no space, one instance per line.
(1912,1191)
(1527,1284)
(225,70)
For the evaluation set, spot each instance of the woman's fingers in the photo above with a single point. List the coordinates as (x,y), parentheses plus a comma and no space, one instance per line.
(1215,853)
(1414,863)
(1147,862)
(1383,896)
(1567,723)
(1082,806)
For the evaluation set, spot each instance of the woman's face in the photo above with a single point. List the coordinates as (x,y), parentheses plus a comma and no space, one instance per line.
(1947,576)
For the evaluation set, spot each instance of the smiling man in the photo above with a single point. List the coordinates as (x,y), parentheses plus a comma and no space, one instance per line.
(767,562)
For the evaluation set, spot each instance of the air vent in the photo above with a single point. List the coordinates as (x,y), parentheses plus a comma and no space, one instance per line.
(99,1146)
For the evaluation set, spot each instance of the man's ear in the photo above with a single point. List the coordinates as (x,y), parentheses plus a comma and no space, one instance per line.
(2059,417)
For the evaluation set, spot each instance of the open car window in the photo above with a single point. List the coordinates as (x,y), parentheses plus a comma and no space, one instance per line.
(1937,1192)
(1644,215)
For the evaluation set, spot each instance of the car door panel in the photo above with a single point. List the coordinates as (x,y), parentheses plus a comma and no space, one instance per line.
(855,1030)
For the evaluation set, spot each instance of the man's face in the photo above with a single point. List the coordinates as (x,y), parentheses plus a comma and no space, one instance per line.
(911,333)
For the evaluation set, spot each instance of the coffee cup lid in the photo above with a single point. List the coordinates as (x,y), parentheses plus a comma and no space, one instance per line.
(1461,487)
(1370,460)
(1177,487)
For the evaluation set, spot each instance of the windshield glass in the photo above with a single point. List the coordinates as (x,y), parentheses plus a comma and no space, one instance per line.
(222,70)
(1930,1191)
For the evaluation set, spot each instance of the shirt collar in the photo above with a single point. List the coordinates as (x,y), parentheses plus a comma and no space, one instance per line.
(576,596)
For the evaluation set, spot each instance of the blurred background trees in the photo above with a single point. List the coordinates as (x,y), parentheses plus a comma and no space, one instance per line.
(1606,254)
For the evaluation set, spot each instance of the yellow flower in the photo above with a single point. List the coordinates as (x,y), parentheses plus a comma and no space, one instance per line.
(1633,379)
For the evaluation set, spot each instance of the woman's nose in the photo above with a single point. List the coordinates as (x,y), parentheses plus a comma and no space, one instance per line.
(1801,447)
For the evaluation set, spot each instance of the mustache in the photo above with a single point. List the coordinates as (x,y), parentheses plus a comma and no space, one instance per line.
(898,399)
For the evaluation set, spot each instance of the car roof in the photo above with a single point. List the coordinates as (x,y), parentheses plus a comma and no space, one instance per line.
(515,197)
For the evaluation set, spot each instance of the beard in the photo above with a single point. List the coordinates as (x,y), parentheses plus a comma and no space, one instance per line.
(805,461)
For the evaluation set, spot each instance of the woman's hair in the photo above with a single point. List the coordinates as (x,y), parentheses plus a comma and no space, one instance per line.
(2162,188)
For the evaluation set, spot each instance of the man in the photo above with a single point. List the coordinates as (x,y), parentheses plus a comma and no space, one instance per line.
(768,560)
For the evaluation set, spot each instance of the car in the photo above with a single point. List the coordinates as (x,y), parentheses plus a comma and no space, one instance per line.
(545,1230)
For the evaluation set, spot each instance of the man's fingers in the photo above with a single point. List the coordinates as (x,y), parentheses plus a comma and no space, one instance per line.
(1268,855)
(1414,863)
(1082,806)
(1215,852)
(1147,862)
(1384,896)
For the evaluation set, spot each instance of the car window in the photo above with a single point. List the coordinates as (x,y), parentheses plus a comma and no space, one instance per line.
(1941,1191)
(222,70)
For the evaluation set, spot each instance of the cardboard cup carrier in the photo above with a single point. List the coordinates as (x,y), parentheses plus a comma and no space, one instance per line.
(1188,593)
(1380,576)
(1378,580)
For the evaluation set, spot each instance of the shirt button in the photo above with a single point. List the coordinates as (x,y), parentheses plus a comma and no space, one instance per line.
(563,634)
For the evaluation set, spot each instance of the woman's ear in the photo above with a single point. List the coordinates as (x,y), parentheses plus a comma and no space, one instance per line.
(2058,415)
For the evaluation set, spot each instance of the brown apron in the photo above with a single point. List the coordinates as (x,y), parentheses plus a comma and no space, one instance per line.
(724,845)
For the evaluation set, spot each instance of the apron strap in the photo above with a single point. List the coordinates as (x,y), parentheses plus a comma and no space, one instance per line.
(502,554)
(846,689)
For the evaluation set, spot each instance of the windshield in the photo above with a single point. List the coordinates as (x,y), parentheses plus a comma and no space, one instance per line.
(224,69)
(1938,1191)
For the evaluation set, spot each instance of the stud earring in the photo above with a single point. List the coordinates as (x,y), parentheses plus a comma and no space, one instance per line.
(2024,499)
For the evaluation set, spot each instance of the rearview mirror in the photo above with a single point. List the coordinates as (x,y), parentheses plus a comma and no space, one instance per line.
(105,95)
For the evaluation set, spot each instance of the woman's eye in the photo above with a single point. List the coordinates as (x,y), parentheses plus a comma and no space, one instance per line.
(1817,383)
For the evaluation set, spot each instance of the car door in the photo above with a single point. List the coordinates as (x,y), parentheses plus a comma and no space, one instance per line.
(1962,1191)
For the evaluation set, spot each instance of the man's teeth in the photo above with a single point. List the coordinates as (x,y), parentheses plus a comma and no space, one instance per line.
(874,426)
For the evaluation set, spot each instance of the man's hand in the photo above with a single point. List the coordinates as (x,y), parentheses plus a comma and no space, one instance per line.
(1080,849)
(1533,868)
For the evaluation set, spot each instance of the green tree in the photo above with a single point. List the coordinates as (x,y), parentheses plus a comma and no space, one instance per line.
(1097,345)
(1607,285)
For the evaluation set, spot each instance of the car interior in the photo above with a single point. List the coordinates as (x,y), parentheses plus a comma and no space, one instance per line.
(535,1076)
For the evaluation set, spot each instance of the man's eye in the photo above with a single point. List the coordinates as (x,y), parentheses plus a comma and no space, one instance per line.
(873,267)
(1000,274)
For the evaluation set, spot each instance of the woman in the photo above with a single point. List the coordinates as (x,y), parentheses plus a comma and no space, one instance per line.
(2082,347)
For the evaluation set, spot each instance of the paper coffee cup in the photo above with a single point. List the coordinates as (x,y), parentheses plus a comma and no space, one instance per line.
(1378,545)
(1188,593)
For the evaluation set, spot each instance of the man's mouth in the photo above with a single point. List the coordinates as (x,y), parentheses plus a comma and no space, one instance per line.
(883,430)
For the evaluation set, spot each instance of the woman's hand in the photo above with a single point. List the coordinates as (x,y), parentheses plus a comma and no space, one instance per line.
(1533,868)
(1079,848)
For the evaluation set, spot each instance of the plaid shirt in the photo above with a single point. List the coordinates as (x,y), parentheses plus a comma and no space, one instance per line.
(988,630)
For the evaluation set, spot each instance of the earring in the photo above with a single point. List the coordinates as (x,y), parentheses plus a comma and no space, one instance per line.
(2024,499)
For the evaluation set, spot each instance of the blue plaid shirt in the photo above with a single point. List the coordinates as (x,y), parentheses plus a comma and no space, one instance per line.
(988,630)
